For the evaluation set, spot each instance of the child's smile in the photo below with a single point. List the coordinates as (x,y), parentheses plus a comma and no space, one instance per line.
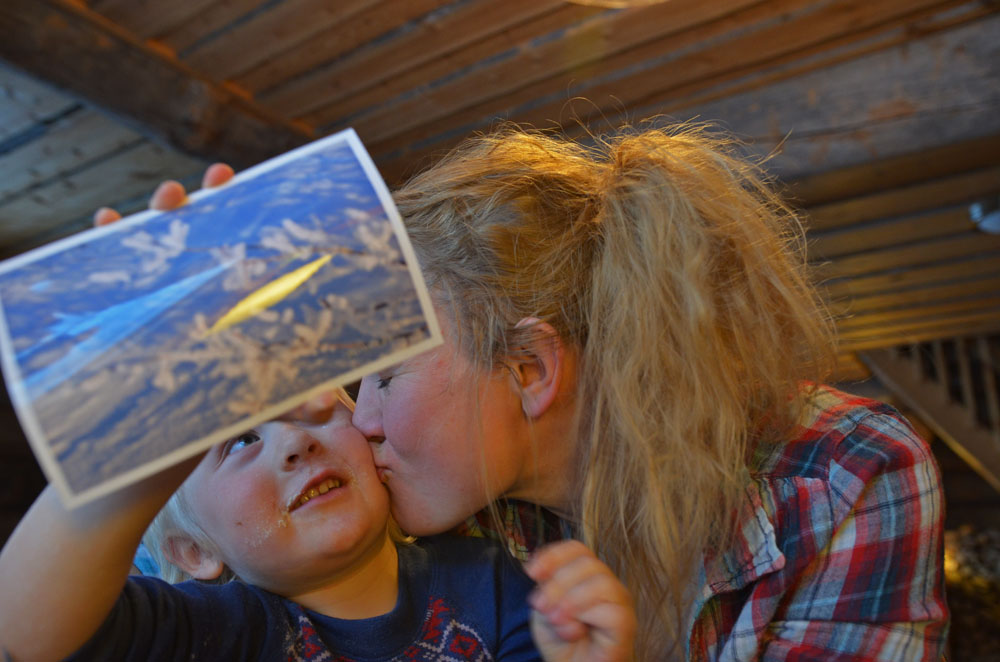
(313,490)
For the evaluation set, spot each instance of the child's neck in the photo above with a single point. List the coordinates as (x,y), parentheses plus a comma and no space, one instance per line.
(367,590)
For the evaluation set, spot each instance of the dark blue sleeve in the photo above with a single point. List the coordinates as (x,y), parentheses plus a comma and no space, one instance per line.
(153,620)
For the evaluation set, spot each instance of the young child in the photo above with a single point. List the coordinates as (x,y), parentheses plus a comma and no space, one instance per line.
(295,510)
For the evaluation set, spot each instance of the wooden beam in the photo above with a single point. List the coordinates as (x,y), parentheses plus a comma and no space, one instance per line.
(770,99)
(408,61)
(908,278)
(939,193)
(133,170)
(910,255)
(278,32)
(76,49)
(894,172)
(948,327)
(888,233)
(585,50)
(975,285)
(973,443)
(64,146)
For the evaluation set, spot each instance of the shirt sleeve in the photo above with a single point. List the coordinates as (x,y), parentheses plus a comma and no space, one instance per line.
(875,591)
(153,620)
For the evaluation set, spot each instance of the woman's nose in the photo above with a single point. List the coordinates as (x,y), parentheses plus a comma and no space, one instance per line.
(367,414)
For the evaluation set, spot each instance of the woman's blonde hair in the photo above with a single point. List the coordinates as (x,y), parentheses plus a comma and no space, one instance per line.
(680,278)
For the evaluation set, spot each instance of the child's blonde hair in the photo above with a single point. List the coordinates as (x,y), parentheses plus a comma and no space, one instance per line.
(680,278)
(177,519)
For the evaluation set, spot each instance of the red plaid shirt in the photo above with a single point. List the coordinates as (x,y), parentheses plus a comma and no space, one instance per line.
(841,551)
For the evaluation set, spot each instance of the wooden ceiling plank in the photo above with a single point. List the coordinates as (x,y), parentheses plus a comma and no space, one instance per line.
(45,208)
(682,75)
(895,172)
(745,51)
(910,255)
(308,59)
(64,43)
(590,43)
(213,19)
(423,43)
(984,322)
(955,189)
(903,279)
(889,233)
(823,54)
(139,201)
(977,284)
(149,18)
(510,39)
(25,102)
(81,138)
(271,33)
(416,78)
(908,327)
(917,312)
(536,104)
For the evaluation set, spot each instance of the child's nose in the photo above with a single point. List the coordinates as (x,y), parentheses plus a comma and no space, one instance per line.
(298,447)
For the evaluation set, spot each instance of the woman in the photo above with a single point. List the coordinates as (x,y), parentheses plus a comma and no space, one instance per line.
(633,345)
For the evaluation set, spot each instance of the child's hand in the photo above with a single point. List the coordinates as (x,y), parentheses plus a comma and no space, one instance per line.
(582,612)
(170,194)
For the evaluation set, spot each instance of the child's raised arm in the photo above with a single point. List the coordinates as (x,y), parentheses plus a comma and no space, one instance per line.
(581,610)
(62,571)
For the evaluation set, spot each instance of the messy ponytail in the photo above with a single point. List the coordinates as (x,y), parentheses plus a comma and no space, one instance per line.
(679,277)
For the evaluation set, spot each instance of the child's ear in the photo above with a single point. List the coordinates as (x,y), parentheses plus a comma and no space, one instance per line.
(185,553)
(538,367)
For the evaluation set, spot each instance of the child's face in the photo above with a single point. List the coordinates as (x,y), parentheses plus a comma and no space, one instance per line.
(289,504)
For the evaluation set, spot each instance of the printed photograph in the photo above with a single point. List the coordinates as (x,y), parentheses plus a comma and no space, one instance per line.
(133,346)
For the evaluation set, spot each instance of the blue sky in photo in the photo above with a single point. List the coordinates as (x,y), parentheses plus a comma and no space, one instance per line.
(112,336)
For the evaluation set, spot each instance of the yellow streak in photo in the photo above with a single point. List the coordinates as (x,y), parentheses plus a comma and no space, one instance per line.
(268,295)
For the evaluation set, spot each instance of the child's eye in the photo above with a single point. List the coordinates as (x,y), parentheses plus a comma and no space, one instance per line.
(237,444)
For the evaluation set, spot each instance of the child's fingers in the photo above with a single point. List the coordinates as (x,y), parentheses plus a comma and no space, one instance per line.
(217,174)
(581,601)
(105,216)
(582,588)
(571,580)
(611,624)
(168,195)
(547,560)
(569,584)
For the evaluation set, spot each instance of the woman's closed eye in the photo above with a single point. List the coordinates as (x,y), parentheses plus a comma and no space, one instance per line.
(236,444)
(383,382)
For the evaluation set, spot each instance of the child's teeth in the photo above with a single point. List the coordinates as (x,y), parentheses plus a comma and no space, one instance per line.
(322,488)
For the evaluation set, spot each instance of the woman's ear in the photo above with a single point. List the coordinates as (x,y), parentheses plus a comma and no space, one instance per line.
(194,559)
(538,366)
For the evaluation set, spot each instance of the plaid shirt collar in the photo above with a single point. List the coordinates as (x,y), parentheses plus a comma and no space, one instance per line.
(752,554)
